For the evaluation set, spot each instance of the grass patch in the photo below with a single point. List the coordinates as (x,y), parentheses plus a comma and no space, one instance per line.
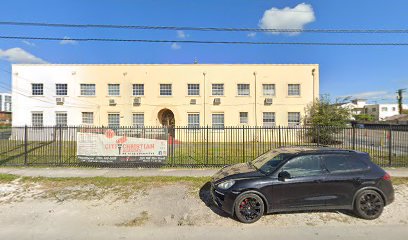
(136,222)
(6,178)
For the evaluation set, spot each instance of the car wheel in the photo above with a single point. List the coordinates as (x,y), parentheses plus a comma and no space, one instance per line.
(249,207)
(369,204)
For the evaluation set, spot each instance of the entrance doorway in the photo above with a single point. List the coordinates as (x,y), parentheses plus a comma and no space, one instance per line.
(166,119)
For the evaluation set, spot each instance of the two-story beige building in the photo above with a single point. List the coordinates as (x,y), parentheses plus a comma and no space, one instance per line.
(161,94)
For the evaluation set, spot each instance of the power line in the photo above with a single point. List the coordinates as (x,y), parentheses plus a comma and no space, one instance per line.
(221,29)
(207,42)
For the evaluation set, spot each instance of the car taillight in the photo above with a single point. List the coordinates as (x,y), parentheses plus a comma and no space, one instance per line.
(387,177)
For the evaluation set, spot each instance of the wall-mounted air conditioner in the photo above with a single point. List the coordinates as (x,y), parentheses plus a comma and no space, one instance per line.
(60,100)
(193,101)
(268,101)
(112,102)
(137,101)
(217,101)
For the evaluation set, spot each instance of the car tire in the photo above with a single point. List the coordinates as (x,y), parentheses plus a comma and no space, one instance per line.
(369,204)
(249,207)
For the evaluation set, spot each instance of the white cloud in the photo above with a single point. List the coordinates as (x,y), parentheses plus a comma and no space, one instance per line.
(18,55)
(28,43)
(175,46)
(251,34)
(68,40)
(181,34)
(287,18)
(373,95)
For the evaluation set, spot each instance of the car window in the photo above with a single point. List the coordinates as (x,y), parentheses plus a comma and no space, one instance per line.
(336,163)
(302,166)
(271,164)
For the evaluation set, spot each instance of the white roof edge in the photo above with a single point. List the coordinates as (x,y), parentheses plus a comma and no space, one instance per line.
(168,64)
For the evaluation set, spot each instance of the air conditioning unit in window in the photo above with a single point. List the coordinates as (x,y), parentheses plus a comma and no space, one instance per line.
(217,101)
(268,101)
(193,101)
(137,101)
(60,100)
(112,102)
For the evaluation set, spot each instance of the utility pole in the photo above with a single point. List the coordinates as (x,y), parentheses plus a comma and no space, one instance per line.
(399,98)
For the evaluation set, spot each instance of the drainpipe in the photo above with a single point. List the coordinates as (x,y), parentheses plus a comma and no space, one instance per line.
(313,76)
(256,121)
(204,96)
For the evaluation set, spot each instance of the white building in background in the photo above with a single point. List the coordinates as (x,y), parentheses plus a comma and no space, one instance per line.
(5,102)
(382,110)
(356,106)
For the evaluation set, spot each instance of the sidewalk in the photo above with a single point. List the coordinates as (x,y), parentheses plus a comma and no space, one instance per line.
(133,172)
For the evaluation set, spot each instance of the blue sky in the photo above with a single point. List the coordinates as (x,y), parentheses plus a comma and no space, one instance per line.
(371,72)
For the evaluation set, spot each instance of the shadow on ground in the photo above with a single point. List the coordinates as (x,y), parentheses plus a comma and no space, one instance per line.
(205,196)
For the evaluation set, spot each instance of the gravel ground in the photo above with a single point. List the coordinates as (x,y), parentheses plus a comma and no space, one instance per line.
(172,211)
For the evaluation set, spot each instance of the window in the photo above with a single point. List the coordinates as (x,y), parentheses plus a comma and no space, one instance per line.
(293,119)
(138,89)
(243,89)
(243,117)
(268,89)
(61,89)
(303,166)
(61,119)
(269,119)
(293,89)
(337,163)
(218,120)
(193,120)
(165,90)
(218,89)
(37,119)
(37,89)
(87,89)
(138,119)
(87,118)
(193,89)
(384,109)
(393,109)
(7,103)
(373,109)
(113,120)
(113,89)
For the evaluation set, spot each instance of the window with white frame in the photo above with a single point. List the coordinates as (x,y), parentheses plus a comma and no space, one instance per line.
(61,119)
(138,120)
(243,89)
(293,89)
(293,119)
(61,89)
(384,109)
(87,118)
(268,119)
(113,89)
(87,89)
(138,89)
(37,119)
(193,120)
(165,90)
(217,89)
(268,89)
(243,117)
(193,89)
(218,120)
(37,89)
(113,120)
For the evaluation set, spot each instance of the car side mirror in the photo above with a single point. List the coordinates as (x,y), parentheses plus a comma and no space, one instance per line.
(282,176)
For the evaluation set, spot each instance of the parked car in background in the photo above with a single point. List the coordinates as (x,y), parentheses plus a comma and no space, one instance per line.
(303,178)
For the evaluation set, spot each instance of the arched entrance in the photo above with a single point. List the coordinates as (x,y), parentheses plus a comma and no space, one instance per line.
(166,119)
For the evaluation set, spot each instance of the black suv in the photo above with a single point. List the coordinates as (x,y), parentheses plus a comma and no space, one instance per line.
(303,178)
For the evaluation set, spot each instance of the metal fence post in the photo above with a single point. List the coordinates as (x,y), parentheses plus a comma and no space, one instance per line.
(390,145)
(243,143)
(25,145)
(318,135)
(60,144)
(280,136)
(354,137)
(206,146)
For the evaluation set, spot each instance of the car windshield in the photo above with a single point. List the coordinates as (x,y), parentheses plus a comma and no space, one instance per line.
(268,162)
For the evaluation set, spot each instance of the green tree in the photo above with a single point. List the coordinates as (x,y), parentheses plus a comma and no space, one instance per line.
(325,119)
(364,117)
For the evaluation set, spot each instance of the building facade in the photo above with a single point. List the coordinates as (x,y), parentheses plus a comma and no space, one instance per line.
(382,111)
(162,94)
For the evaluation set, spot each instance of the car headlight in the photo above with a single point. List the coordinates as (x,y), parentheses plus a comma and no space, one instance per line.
(226,184)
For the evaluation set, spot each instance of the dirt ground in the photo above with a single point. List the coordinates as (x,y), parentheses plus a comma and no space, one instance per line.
(40,210)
